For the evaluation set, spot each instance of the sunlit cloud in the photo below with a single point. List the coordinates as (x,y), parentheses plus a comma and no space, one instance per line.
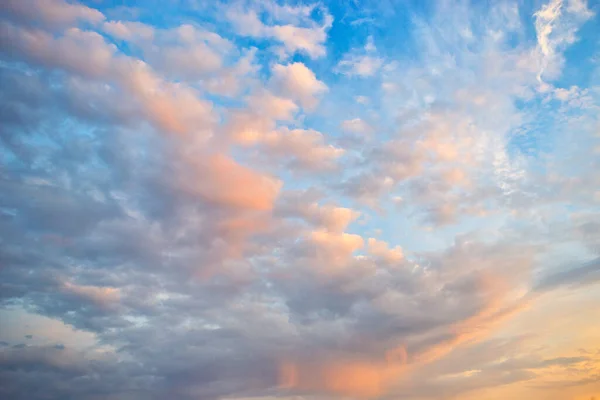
(299,200)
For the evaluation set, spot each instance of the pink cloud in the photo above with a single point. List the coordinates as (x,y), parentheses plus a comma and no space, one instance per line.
(301,149)
(380,249)
(77,51)
(221,180)
(51,13)
(356,379)
(333,218)
(333,250)
(307,148)
(266,104)
(172,107)
(175,108)
(101,296)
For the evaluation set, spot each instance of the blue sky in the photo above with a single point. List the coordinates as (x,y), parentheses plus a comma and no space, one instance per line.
(299,200)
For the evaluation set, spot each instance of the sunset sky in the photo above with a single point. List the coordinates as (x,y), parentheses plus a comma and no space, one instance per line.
(330,200)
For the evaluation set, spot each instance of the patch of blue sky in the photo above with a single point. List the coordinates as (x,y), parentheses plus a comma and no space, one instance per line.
(580,63)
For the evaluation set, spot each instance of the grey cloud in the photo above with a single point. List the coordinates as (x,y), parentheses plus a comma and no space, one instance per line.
(564,361)
(587,273)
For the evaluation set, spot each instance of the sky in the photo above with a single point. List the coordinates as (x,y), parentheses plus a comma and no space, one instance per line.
(268,200)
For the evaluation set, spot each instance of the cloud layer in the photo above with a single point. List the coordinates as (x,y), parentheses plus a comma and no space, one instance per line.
(242,200)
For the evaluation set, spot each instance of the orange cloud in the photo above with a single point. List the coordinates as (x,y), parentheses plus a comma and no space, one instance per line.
(358,379)
(380,249)
(265,103)
(334,219)
(334,248)
(306,147)
(172,107)
(221,180)
(496,310)
(101,296)
(373,378)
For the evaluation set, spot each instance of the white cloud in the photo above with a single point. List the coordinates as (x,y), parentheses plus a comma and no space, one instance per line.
(298,83)
(362,63)
(356,125)
(129,30)
(267,104)
(362,100)
(184,52)
(299,33)
(556,24)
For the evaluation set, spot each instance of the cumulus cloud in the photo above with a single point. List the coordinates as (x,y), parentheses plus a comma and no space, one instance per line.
(306,148)
(220,179)
(298,31)
(172,107)
(380,249)
(184,52)
(52,13)
(129,30)
(306,205)
(298,83)
(267,104)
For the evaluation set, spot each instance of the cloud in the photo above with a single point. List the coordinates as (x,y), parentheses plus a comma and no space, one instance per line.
(306,148)
(361,63)
(183,52)
(556,24)
(129,30)
(582,275)
(101,296)
(41,47)
(305,205)
(298,83)
(356,125)
(308,39)
(334,248)
(267,104)
(380,249)
(172,107)
(362,100)
(299,149)
(51,13)
(177,222)
(356,379)
(335,219)
(221,180)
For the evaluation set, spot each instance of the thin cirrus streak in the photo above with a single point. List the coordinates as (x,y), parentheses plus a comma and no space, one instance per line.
(312,200)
